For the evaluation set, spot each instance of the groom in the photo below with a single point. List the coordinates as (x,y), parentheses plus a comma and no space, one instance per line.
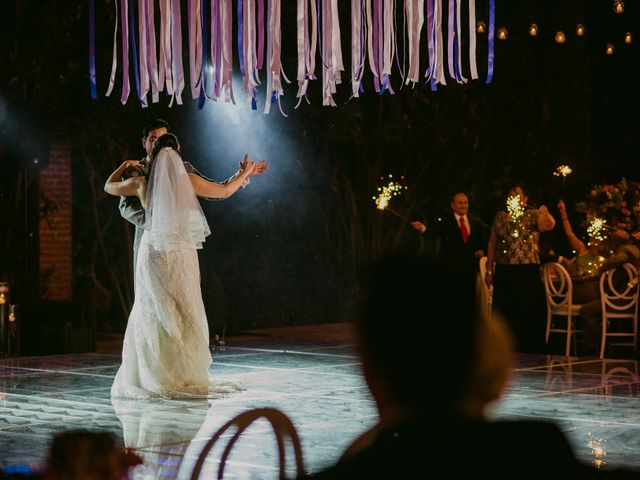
(130,207)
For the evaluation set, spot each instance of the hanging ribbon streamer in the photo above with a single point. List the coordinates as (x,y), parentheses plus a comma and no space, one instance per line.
(414,11)
(374,39)
(307,40)
(458,45)
(430,71)
(143,51)
(114,62)
(134,48)
(373,35)
(331,51)
(165,76)
(453,44)
(222,49)
(491,39)
(472,40)
(124,21)
(275,72)
(435,72)
(226,21)
(92,50)
(152,60)
(176,54)
(388,47)
(439,44)
(195,46)
(358,52)
(204,8)
(247,49)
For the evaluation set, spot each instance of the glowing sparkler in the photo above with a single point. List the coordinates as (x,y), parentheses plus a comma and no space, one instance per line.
(562,171)
(596,228)
(386,193)
(598,450)
(515,207)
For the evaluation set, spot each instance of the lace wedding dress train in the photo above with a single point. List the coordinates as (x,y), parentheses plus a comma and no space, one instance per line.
(166,344)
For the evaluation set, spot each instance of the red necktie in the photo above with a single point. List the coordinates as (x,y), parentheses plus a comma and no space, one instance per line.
(463,230)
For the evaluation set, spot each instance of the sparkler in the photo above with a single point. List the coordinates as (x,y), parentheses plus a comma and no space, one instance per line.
(598,450)
(562,171)
(515,207)
(385,195)
(597,228)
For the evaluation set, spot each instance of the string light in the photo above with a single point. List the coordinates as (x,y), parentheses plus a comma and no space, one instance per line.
(560,37)
(580,30)
(628,38)
(533,29)
(502,33)
(609,49)
(618,6)
(480,28)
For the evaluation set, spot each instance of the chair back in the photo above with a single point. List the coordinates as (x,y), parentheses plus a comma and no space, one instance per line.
(619,291)
(282,427)
(557,285)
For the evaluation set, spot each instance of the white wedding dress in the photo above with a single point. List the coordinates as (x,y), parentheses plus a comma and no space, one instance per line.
(166,344)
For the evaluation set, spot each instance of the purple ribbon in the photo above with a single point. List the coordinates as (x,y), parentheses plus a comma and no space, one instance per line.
(240,34)
(205,58)
(492,28)
(430,37)
(125,52)
(92,50)
(260,34)
(132,23)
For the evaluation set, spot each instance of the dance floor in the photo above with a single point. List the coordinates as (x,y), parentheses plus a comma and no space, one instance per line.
(317,383)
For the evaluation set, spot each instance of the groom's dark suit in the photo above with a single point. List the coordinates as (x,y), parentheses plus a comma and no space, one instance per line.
(131,209)
(454,250)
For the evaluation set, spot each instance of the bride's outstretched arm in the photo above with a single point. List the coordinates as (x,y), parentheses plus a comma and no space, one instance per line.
(125,188)
(205,188)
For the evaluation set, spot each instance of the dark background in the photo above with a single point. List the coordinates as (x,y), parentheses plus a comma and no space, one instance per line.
(286,250)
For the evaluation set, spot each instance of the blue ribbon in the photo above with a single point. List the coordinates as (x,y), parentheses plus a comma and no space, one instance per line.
(205,58)
(240,34)
(136,68)
(492,27)
(92,50)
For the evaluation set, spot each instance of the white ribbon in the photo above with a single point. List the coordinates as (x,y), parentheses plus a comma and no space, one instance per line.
(152,61)
(472,39)
(114,61)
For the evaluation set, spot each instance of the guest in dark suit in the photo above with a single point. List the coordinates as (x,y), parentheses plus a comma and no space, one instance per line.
(461,239)
(432,381)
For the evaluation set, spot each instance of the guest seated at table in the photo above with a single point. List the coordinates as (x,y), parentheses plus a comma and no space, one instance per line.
(584,266)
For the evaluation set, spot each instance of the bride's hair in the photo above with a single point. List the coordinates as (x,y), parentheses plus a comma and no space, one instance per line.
(168,140)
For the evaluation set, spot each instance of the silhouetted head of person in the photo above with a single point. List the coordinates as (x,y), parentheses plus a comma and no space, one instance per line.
(416,325)
(168,140)
(80,454)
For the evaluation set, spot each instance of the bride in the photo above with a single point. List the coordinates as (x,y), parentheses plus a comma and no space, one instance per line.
(166,344)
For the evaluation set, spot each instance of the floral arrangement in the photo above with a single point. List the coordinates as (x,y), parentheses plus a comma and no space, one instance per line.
(618,205)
